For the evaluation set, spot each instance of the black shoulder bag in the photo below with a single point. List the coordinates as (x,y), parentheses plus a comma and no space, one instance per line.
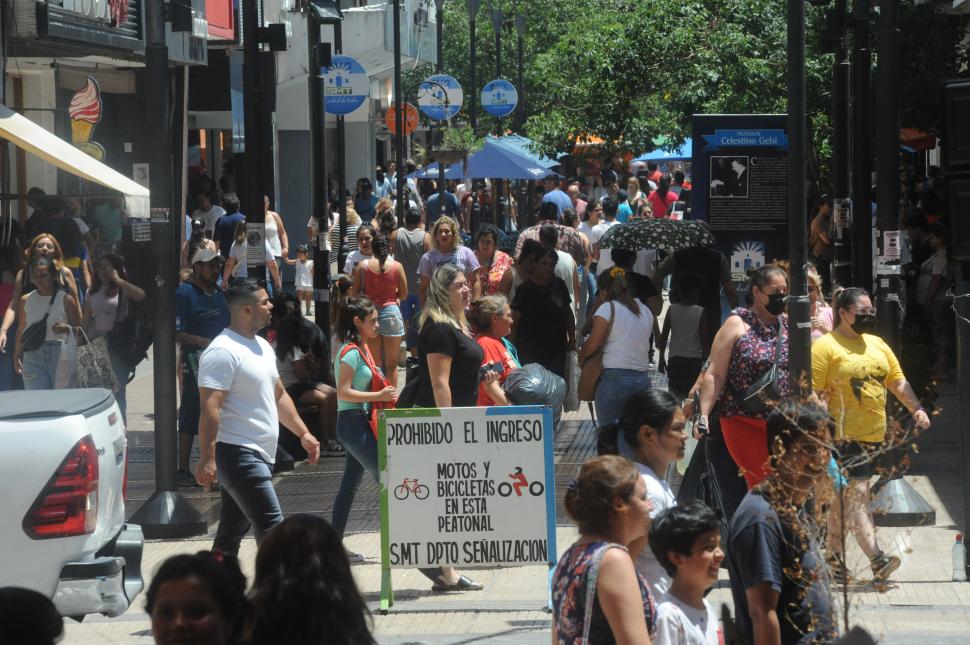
(767,388)
(35,335)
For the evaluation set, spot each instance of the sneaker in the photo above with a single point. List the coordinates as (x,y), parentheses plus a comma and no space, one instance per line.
(839,572)
(355,558)
(883,565)
(185,479)
(333,447)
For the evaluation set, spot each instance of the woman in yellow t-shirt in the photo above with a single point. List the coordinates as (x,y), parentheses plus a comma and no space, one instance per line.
(852,369)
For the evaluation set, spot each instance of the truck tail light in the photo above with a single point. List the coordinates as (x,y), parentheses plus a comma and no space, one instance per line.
(68,505)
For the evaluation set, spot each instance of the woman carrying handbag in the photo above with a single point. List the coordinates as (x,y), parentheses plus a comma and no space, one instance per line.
(748,368)
(47,313)
(621,328)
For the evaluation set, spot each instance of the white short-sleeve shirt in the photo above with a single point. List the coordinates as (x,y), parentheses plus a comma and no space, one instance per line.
(680,624)
(661,498)
(244,368)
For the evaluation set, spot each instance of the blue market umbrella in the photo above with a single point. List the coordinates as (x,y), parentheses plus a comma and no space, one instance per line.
(683,153)
(497,161)
(431,172)
(524,145)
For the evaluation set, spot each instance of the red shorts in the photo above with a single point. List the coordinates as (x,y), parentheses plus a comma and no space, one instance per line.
(747,441)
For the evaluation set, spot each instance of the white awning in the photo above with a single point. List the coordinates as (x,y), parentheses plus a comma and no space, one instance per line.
(33,138)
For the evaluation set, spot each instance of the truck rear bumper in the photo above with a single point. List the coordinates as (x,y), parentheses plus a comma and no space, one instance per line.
(106,584)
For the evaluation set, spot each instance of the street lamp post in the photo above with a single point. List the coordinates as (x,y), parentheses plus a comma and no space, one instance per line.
(166,514)
(473,7)
(799,315)
(398,115)
(861,153)
(520,28)
(498,18)
(440,19)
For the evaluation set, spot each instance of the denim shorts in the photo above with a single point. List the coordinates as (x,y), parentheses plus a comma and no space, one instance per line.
(390,322)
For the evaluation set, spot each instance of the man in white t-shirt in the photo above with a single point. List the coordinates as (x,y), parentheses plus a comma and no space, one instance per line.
(207,212)
(243,401)
(610,205)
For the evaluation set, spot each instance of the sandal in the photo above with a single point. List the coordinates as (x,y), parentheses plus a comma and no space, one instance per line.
(464,584)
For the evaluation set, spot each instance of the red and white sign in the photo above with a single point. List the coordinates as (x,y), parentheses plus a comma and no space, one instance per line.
(410,119)
(113,11)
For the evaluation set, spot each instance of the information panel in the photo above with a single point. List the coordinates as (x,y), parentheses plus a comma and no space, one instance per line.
(467,487)
(740,176)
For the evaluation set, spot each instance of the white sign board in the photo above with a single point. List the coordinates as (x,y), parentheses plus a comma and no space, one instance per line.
(141,230)
(467,487)
(255,244)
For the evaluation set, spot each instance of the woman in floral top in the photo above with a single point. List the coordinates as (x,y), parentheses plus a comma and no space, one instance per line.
(608,501)
(743,350)
(494,262)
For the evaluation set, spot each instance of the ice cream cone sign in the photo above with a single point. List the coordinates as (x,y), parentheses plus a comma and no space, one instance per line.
(85,113)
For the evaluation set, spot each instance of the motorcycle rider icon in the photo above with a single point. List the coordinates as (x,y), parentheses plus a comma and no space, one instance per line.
(519,481)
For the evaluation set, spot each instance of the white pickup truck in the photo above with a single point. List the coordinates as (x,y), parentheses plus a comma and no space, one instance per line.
(62,468)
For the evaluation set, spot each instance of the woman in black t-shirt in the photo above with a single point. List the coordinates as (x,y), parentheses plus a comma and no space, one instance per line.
(449,358)
(543,327)
(448,365)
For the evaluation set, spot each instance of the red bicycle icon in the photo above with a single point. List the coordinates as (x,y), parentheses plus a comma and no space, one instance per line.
(411,486)
(519,482)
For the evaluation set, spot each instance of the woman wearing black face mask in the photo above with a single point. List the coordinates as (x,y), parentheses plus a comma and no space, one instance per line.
(852,369)
(743,350)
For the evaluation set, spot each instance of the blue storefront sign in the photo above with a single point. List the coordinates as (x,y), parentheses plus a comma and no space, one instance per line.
(346,85)
(499,98)
(740,186)
(440,97)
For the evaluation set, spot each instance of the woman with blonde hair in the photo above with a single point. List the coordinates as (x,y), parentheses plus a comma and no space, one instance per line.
(43,245)
(448,366)
(446,249)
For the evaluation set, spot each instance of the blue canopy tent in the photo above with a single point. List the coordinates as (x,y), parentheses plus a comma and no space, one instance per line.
(493,161)
(683,153)
(524,145)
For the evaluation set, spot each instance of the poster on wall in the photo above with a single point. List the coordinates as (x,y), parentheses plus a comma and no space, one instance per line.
(466,487)
(740,176)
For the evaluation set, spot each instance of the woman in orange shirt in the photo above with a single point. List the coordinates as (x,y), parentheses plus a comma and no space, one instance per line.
(491,317)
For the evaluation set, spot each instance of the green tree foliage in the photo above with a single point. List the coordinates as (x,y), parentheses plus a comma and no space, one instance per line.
(629,72)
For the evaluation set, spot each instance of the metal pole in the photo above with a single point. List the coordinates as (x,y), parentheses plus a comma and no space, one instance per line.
(252,197)
(166,514)
(861,153)
(520,27)
(319,206)
(887,188)
(338,45)
(897,503)
(440,18)
(799,315)
(399,114)
(473,6)
(842,251)
(497,19)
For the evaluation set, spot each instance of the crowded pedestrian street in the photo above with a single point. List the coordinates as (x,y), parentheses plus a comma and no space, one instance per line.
(407,322)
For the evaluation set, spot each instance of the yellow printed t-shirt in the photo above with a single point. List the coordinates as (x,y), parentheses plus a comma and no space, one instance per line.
(854,375)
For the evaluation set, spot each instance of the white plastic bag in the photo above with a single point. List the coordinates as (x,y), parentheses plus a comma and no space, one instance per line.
(66,374)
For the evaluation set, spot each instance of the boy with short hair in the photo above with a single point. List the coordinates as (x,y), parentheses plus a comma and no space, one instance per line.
(687,542)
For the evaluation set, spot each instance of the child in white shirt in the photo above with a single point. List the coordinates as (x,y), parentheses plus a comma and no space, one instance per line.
(304,275)
(687,541)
